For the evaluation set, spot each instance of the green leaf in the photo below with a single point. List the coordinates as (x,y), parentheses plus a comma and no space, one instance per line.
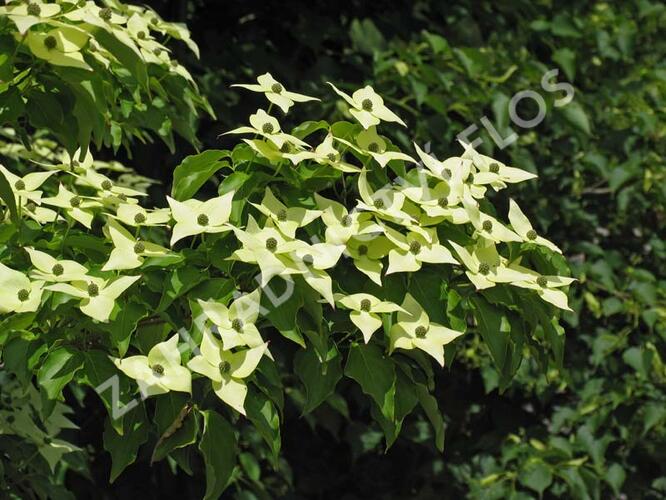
(58,369)
(566,58)
(375,373)
(429,405)
(366,37)
(262,413)
(282,313)
(576,116)
(218,447)
(319,376)
(537,477)
(195,170)
(124,447)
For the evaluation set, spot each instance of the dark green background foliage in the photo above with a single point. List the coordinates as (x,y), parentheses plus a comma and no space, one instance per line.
(593,430)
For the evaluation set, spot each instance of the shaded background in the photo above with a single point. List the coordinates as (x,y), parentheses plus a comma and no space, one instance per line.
(596,430)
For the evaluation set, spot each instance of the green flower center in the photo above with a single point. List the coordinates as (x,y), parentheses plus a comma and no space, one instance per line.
(34,9)
(373,147)
(447,173)
(366,104)
(542,281)
(331,156)
(415,247)
(237,325)
(75,201)
(443,202)
(158,370)
(50,42)
(484,268)
(174,63)
(57,270)
(531,234)
(30,207)
(365,305)
(277,88)
(139,247)
(93,290)
(139,218)
(494,167)
(19,185)
(154,20)
(202,220)
(267,128)
(122,197)
(23,294)
(346,221)
(362,250)
(285,148)
(105,14)
(225,367)
(308,259)
(271,243)
(141,35)
(379,204)
(487,225)
(106,185)
(420,331)
(282,215)
(157,51)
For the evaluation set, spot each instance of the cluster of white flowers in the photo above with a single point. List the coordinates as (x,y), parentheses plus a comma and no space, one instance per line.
(391,229)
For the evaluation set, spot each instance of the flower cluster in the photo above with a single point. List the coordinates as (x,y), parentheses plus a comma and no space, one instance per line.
(399,213)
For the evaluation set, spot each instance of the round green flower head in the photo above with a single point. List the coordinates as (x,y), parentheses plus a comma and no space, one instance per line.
(267,128)
(23,294)
(282,215)
(141,35)
(20,185)
(174,63)
(139,247)
(224,367)
(373,147)
(420,331)
(106,185)
(285,148)
(366,105)
(308,260)
(277,88)
(443,203)
(331,157)
(34,9)
(447,173)
(157,51)
(362,250)
(365,305)
(484,268)
(379,203)
(542,281)
(415,247)
(487,225)
(93,290)
(346,221)
(30,207)
(237,325)
(158,369)
(122,197)
(75,201)
(494,167)
(57,270)
(531,234)
(202,220)
(139,218)
(105,14)
(271,243)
